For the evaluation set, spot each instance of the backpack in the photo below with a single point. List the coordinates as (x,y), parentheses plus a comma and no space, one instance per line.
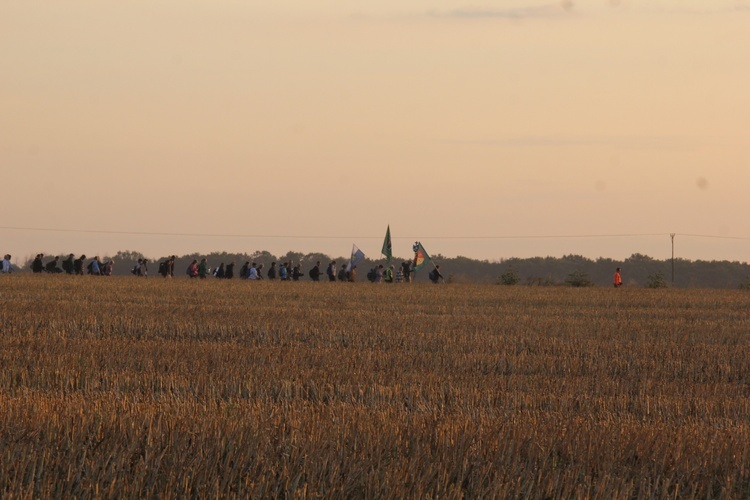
(371,274)
(163,267)
(90,267)
(135,269)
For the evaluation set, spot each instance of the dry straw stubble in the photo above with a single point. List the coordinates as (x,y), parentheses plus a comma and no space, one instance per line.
(126,387)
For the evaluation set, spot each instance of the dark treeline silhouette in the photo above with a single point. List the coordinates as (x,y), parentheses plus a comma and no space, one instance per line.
(637,270)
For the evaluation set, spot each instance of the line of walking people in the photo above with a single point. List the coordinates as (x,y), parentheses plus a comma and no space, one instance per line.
(71,265)
(286,271)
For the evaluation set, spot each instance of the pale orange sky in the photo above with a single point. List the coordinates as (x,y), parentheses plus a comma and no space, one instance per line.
(326,121)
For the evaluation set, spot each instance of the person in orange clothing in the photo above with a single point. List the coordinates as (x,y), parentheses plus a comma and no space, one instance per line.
(618,278)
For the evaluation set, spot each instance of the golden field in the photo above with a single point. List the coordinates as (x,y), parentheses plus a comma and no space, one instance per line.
(126,387)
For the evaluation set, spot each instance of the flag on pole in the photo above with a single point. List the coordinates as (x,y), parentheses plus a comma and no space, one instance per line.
(420,256)
(387,247)
(357,255)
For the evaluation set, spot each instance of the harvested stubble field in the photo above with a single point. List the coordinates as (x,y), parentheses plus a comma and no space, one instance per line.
(122,387)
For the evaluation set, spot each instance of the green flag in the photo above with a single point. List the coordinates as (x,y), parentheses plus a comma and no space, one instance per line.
(420,257)
(387,247)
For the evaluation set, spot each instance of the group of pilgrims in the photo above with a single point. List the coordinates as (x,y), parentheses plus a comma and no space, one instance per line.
(71,265)
(286,271)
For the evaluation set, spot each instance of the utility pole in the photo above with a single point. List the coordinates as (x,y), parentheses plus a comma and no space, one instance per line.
(672,236)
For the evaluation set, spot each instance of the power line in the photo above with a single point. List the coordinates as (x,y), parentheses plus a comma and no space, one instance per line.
(197,235)
(363,237)
(713,236)
(277,236)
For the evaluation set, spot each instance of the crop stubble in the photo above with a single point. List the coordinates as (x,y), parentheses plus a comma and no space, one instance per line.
(127,387)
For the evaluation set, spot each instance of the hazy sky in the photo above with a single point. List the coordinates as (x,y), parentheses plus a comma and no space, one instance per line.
(326,121)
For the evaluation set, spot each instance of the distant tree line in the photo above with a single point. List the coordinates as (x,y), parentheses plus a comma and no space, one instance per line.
(638,270)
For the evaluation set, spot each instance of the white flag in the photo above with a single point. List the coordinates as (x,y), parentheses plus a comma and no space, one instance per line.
(357,255)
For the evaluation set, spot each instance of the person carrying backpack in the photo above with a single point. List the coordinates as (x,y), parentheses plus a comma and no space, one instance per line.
(170,266)
(6,267)
(331,271)
(37,266)
(244,270)
(203,268)
(94,268)
(399,276)
(51,266)
(252,272)
(315,272)
(68,265)
(388,274)
(143,270)
(406,270)
(192,269)
(219,272)
(297,272)
(435,275)
(78,265)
